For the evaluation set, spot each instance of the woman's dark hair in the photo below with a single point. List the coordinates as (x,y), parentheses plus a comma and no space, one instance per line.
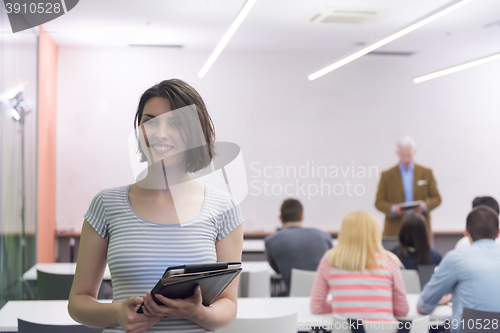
(180,94)
(291,210)
(413,234)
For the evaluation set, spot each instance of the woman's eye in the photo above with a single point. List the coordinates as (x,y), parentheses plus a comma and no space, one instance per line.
(173,124)
(151,122)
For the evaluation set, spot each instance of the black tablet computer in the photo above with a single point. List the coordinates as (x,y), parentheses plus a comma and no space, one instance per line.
(181,281)
(409,205)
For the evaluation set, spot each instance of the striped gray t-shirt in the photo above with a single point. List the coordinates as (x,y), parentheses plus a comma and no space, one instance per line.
(140,251)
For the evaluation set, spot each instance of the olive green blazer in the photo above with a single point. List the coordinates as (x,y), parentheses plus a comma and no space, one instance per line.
(391,191)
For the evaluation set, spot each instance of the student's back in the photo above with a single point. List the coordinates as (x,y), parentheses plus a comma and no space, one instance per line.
(359,279)
(414,248)
(296,247)
(410,260)
(479,267)
(470,274)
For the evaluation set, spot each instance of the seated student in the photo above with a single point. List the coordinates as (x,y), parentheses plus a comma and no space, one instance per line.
(414,249)
(358,279)
(294,246)
(470,273)
(487,201)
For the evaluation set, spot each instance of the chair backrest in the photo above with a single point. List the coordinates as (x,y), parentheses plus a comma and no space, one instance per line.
(285,324)
(255,284)
(28,327)
(380,327)
(340,324)
(412,281)
(425,273)
(390,242)
(420,325)
(480,321)
(53,286)
(301,282)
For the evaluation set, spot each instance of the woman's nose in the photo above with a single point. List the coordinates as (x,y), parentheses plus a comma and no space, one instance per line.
(162,131)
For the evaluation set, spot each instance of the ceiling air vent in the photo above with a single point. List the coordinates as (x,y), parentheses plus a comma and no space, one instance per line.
(392,53)
(171,46)
(329,15)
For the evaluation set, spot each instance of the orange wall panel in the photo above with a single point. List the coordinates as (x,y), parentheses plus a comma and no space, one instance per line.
(47,112)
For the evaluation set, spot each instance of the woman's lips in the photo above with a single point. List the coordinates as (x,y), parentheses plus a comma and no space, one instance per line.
(161,149)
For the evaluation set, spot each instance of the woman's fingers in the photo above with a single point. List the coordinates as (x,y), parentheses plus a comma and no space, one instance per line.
(171,303)
(153,308)
(197,297)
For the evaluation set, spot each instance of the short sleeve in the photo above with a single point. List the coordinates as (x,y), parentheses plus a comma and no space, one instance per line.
(96,216)
(229,219)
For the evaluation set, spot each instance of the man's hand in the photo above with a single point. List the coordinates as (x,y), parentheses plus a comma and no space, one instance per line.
(422,207)
(445,299)
(397,210)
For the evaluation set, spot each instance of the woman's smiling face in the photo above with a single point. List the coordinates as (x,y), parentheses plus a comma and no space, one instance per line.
(160,136)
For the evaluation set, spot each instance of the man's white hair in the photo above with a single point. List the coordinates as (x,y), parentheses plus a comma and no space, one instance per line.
(407,141)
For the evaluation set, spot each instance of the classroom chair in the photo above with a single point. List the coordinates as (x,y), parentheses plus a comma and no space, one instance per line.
(412,281)
(285,324)
(28,327)
(390,242)
(480,321)
(341,325)
(301,282)
(57,286)
(53,286)
(420,325)
(255,284)
(425,273)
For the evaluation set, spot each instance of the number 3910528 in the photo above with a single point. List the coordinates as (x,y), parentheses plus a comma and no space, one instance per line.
(33,8)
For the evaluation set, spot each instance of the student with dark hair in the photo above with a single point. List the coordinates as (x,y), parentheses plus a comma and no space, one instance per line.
(164,219)
(486,201)
(294,246)
(471,273)
(478,201)
(414,248)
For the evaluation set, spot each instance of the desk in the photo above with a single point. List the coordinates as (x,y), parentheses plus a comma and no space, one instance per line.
(282,306)
(56,313)
(257,266)
(254,245)
(69,268)
(254,250)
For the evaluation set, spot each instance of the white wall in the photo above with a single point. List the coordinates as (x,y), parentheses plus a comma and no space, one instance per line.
(265,104)
(18,63)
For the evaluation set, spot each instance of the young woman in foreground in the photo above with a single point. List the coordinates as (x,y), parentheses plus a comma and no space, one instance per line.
(358,279)
(165,219)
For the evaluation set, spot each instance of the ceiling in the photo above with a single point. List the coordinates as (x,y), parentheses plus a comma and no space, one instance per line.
(278,26)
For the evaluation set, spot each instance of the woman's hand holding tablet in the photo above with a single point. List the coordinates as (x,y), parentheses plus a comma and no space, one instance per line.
(188,308)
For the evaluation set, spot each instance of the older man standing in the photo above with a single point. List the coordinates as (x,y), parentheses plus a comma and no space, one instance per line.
(406,184)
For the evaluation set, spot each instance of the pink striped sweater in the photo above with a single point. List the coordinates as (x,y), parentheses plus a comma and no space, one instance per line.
(374,296)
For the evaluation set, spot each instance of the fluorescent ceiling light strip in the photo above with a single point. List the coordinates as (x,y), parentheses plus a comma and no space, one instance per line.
(232,29)
(456,68)
(387,40)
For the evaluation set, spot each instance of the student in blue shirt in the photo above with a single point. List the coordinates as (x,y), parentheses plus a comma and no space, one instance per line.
(471,273)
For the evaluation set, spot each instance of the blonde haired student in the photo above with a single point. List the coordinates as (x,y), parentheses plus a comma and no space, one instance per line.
(359,279)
